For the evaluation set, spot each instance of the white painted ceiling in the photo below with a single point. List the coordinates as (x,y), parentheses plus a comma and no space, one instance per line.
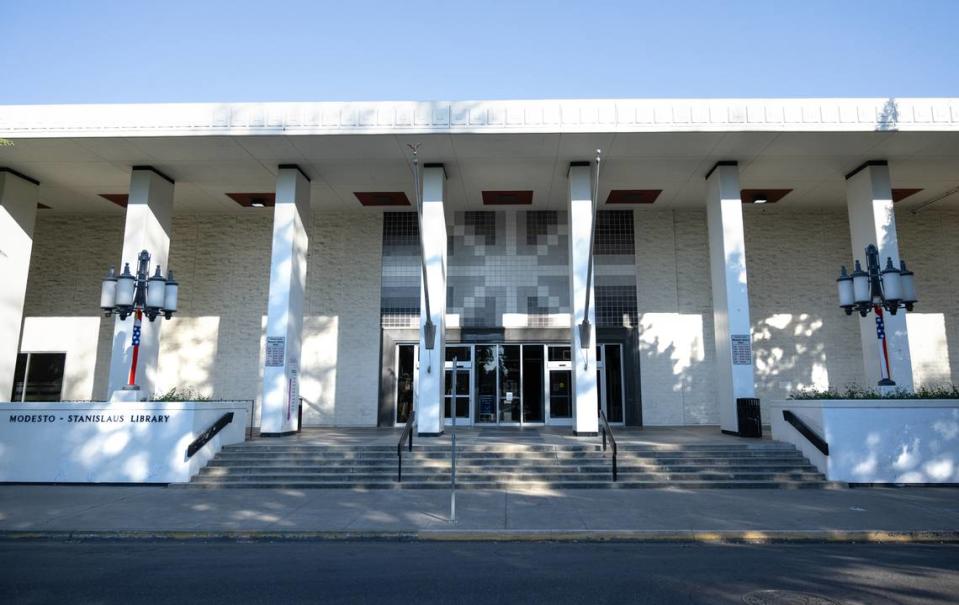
(74,171)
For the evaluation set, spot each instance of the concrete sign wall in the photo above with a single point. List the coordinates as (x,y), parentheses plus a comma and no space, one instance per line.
(877,441)
(112,442)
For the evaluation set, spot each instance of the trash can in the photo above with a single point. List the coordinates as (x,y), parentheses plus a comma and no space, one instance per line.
(750,418)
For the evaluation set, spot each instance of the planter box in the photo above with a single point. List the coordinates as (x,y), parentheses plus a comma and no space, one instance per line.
(892,441)
(112,442)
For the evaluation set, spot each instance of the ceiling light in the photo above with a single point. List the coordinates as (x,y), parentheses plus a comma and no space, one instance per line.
(257,204)
(760,198)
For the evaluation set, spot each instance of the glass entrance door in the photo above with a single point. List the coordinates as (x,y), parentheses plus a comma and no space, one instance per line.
(459,361)
(559,395)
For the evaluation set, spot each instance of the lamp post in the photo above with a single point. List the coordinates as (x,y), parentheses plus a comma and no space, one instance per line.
(877,289)
(138,295)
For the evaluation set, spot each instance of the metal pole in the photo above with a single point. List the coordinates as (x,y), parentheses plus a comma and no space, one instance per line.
(453,447)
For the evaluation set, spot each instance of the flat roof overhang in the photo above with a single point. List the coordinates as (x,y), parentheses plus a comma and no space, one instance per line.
(79,152)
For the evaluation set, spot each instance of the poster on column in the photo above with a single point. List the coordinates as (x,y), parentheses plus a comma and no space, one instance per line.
(275,351)
(741,349)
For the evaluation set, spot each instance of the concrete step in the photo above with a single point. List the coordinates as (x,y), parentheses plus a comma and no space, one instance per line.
(272,464)
(583,467)
(819,484)
(460,455)
(520,477)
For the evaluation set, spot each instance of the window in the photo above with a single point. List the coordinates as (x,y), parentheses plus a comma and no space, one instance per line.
(38,377)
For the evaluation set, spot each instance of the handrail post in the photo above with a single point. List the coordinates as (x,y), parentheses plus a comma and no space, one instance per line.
(604,426)
(407,433)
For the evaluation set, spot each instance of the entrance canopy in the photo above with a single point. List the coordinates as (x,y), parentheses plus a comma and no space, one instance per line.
(792,152)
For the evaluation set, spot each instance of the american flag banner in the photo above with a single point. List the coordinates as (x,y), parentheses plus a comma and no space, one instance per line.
(136,334)
(880,328)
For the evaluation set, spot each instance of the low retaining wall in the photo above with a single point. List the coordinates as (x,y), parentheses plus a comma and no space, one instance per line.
(112,442)
(896,441)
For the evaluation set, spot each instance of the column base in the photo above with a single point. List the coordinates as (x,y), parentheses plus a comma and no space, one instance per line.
(440,434)
(128,394)
(586,433)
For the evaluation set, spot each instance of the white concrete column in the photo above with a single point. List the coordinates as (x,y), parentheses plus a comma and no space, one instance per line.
(727,260)
(873,221)
(284,323)
(429,395)
(149,224)
(585,398)
(18,213)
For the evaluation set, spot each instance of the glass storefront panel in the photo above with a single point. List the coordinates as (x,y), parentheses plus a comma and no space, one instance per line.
(509,383)
(404,382)
(559,394)
(614,383)
(460,353)
(514,383)
(462,393)
(486,367)
(533,368)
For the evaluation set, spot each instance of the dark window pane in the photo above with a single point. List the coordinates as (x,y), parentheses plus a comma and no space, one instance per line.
(460,353)
(559,354)
(404,383)
(18,377)
(614,384)
(559,394)
(486,364)
(509,383)
(45,376)
(533,383)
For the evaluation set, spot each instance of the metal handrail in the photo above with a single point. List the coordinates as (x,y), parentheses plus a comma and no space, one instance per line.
(209,434)
(407,434)
(604,427)
(806,431)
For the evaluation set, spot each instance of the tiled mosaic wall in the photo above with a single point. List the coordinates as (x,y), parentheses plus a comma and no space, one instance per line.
(509,267)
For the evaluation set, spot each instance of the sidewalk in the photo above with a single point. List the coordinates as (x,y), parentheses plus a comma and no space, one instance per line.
(874,514)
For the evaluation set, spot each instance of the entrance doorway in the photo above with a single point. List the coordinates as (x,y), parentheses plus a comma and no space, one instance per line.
(512,384)
(459,362)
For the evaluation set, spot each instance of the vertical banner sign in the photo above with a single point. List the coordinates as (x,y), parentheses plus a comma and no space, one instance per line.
(293,387)
(884,370)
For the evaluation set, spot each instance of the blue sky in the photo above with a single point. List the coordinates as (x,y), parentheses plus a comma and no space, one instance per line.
(94,51)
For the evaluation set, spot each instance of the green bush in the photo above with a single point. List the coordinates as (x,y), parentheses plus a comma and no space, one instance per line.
(175,394)
(854,391)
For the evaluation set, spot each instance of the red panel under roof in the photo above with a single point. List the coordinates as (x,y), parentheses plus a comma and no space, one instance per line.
(507,198)
(633,196)
(247,200)
(120,199)
(749,196)
(382,198)
(900,194)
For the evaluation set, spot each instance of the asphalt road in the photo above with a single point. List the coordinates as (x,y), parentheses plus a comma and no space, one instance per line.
(416,573)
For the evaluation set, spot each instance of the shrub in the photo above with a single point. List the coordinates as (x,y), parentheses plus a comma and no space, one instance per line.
(854,391)
(184,394)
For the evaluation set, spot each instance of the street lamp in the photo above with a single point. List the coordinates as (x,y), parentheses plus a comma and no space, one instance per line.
(128,294)
(875,289)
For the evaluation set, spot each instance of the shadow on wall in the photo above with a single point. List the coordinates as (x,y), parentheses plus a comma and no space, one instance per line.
(789,354)
(677,383)
(318,369)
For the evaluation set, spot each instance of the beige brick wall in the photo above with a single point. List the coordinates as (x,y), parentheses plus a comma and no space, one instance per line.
(801,339)
(215,344)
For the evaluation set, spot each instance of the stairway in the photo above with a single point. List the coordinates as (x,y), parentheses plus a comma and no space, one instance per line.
(761,464)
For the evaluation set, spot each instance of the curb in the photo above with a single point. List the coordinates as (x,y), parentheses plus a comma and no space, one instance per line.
(639,536)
